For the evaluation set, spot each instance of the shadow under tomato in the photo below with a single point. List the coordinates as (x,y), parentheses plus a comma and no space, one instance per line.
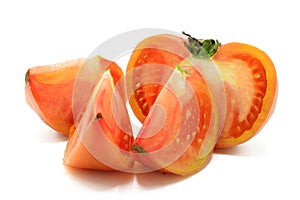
(250,148)
(49,136)
(103,181)
(100,180)
(153,180)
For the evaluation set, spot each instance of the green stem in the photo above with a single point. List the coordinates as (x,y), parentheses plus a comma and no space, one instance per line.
(201,48)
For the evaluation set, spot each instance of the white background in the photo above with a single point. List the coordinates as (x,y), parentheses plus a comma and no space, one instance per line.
(38,33)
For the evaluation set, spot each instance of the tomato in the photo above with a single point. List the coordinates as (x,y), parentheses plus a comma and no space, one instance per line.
(172,51)
(247,73)
(191,95)
(251,87)
(97,141)
(174,131)
(44,83)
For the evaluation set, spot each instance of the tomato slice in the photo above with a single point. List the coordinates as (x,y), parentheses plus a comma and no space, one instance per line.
(44,83)
(175,129)
(98,142)
(251,88)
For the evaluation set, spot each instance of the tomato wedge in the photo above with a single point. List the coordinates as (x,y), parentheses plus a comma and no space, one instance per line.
(97,141)
(44,83)
(251,87)
(175,129)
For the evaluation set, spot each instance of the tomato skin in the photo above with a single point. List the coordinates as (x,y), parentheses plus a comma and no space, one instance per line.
(254,87)
(43,83)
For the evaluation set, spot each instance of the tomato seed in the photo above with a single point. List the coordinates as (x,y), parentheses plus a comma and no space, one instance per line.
(188,136)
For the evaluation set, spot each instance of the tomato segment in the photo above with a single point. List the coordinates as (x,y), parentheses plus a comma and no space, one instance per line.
(97,141)
(251,85)
(44,83)
(184,117)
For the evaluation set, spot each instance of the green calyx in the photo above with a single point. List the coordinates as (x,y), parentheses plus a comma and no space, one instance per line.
(201,48)
(138,149)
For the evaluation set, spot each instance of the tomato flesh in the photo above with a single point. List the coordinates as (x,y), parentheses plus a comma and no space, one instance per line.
(245,97)
(250,82)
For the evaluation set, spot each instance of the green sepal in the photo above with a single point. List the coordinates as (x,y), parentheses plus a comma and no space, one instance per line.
(201,48)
